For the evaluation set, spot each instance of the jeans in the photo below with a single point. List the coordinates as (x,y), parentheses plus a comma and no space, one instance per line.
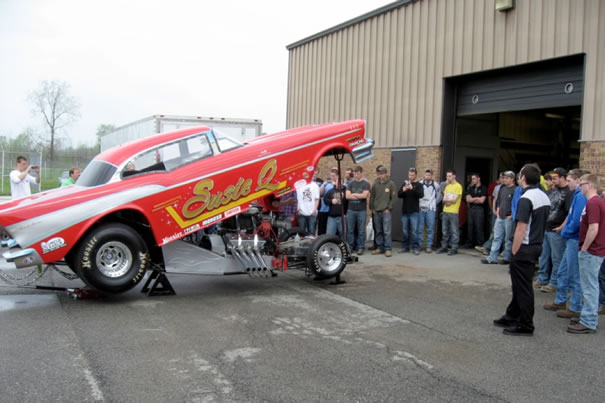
(557,247)
(409,227)
(426,219)
(602,285)
(502,236)
(521,306)
(569,277)
(450,230)
(334,226)
(307,222)
(488,244)
(589,278)
(544,263)
(382,226)
(356,222)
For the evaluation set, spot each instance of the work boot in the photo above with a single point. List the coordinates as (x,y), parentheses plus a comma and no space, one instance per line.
(388,253)
(441,250)
(551,306)
(548,288)
(567,314)
(428,250)
(377,252)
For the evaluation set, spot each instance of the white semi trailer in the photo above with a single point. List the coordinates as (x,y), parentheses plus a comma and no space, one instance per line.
(239,129)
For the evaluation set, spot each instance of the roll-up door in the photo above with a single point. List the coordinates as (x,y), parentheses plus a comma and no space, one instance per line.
(553,83)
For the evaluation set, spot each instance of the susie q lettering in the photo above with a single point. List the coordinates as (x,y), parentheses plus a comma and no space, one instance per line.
(206,200)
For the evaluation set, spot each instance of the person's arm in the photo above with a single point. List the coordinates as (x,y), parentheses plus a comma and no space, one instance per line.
(591,234)
(560,227)
(479,200)
(519,235)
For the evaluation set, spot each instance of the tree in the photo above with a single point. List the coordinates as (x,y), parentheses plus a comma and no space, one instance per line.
(56,107)
(103,130)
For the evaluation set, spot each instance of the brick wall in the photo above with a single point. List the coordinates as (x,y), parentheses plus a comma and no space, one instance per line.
(382,156)
(592,158)
(429,157)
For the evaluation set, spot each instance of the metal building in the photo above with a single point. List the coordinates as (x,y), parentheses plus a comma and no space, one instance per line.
(477,85)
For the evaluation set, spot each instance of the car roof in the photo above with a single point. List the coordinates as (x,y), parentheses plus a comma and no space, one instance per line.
(119,154)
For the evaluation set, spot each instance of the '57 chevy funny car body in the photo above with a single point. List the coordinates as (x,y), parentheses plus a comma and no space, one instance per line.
(133,205)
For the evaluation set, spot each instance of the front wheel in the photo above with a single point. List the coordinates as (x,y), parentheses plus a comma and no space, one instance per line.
(112,258)
(327,256)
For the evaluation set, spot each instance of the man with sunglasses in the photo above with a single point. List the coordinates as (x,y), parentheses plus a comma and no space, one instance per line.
(590,256)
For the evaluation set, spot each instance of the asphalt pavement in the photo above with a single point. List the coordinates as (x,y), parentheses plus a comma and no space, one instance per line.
(405,328)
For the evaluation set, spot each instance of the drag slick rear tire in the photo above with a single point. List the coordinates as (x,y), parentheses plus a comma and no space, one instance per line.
(327,256)
(112,258)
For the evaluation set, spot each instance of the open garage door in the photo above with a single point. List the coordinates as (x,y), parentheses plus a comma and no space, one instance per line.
(550,84)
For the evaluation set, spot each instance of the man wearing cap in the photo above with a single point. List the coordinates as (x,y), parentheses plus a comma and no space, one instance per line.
(428,209)
(382,195)
(554,245)
(411,192)
(504,221)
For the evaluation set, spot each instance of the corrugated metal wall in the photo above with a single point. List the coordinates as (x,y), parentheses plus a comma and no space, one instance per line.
(389,69)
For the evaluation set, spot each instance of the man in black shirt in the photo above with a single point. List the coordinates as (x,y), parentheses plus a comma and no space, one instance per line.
(530,223)
(475,199)
(411,192)
(560,202)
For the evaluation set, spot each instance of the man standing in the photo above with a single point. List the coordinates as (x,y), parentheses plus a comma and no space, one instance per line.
(568,275)
(560,202)
(308,205)
(358,191)
(21,180)
(591,255)
(411,192)
(504,221)
(450,230)
(531,215)
(74,174)
(381,205)
(336,202)
(475,199)
(428,210)
(492,196)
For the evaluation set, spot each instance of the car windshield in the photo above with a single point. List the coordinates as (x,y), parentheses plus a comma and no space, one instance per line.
(225,143)
(96,173)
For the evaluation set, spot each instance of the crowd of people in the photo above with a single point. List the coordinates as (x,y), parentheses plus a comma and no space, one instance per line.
(555,220)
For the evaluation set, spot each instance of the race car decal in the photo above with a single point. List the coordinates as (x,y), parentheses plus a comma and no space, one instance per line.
(52,244)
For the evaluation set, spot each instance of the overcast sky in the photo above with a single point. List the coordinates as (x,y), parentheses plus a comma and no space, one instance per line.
(126,60)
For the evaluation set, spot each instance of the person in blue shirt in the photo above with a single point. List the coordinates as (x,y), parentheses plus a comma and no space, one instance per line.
(569,270)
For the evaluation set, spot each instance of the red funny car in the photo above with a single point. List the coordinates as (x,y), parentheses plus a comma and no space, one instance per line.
(135,206)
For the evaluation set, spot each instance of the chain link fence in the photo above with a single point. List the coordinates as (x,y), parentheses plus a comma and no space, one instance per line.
(51,174)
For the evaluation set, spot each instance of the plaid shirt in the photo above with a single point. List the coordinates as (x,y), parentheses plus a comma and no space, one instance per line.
(288,210)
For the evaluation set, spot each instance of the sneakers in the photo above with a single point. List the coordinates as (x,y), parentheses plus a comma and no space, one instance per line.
(567,314)
(482,250)
(452,252)
(485,261)
(429,250)
(551,306)
(416,252)
(372,247)
(503,261)
(388,253)
(548,288)
(403,250)
(441,250)
(579,328)
(360,252)
(538,285)
(377,252)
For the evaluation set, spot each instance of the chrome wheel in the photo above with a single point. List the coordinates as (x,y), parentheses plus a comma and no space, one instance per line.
(329,257)
(114,259)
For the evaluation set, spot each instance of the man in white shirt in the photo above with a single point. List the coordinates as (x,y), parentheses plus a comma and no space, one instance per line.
(21,180)
(308,206)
